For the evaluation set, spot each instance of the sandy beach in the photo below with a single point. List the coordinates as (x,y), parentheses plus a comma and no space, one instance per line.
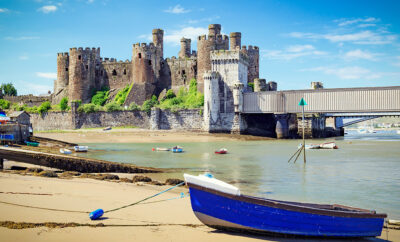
(131,135)
(171,220)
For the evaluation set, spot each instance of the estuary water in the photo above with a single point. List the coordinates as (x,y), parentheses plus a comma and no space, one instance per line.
(364,172)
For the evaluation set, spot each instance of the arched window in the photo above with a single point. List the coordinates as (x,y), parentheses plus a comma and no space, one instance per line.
(114,72)
(149,62)
(140,55)
(124,71)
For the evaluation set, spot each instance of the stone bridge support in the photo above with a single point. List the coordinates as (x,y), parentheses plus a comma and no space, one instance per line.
(286,126)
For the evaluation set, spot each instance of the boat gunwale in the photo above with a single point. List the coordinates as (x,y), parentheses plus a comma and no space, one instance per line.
(320,209)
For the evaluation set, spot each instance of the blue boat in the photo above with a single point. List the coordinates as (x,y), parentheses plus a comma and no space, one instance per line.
(220,205)
(177,149)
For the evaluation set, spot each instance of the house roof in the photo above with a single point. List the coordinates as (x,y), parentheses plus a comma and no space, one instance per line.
(17,113)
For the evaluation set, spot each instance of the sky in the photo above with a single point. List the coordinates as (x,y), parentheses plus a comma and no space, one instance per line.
(340,43)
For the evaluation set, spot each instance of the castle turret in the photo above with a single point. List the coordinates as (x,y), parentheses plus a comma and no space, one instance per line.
(62,72)
(185,48)
(82,69)
(253,53)
(236,40)
(215,41)
(211,100)
(158,40)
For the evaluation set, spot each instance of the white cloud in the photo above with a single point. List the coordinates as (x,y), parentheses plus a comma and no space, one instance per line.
(48,75)
(3,10)
(178,9)
(187,32)
(148,37)
(21,38)
(366,25)
(359,54)
(292,52)
(48,9)
(352,72)
(363,37)
(344,22)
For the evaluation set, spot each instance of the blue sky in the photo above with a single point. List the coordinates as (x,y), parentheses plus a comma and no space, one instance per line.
(341,43)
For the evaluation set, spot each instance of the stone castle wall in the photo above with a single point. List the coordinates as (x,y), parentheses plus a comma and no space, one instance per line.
(113,74)
(29,100)
(51,121)
(182,71)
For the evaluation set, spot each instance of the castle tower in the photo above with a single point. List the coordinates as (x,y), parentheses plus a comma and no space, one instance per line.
(185,48)
(211,100)
(62,72)
(158,40)
(236,40)
(82,69)
(215,41)
(254,61)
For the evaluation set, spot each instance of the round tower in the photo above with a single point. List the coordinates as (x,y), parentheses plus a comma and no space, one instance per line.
(158,40)
(185,48)
(82,66)
(62,72)
(214,29)
(215,41)
(236,40)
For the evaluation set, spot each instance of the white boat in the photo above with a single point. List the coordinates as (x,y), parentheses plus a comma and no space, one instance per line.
(328,145)
(162,149)
(80,148)
(65,151)
(398,131)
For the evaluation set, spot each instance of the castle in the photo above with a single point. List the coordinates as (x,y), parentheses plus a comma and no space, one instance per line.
(83,71)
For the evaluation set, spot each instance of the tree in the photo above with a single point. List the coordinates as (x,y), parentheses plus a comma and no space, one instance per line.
(8,89)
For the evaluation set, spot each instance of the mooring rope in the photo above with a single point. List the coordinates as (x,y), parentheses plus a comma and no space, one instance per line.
(111,210)
(147,198)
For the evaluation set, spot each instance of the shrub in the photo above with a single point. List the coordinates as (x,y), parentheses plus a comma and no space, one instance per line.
(134,107)
(90,108)
(112,106)
(44,107)
(122,94)
(8,89)
(33,109)
(148,104)
(64,104)
(251,84)
(170,94)
(101,96)
(4,104)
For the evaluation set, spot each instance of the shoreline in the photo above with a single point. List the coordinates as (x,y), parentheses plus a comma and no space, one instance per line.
(162,220)
(133,135)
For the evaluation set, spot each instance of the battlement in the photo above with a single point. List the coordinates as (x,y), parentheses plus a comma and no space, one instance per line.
(214,29)
(211,75)
(86,50)
(235,34)
(228,57)
(144,46)
(253,48)
(157,31)
(65,54)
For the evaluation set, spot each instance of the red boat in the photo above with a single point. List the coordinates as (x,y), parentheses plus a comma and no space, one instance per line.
(221,151)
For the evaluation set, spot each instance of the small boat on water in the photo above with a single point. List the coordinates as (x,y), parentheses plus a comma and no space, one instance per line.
(398,131)
(65,151)
(107,128)
(222,206)
(328,145)
(177,149)
(81,148)
(221,151)
(30,143)
(162,149)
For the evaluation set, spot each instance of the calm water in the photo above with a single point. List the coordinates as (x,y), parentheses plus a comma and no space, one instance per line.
(363,172)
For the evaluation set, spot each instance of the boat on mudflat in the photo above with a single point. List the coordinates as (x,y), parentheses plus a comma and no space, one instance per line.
(220,205)
(65,151)
(81,148)
(221,151)
(30,143)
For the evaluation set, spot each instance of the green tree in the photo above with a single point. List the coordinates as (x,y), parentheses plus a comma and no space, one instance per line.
(8,89)
(64,104)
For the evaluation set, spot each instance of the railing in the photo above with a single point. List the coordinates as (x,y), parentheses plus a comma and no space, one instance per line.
(357,100)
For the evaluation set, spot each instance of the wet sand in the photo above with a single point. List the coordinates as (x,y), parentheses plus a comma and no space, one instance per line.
(139,136)
(171,220)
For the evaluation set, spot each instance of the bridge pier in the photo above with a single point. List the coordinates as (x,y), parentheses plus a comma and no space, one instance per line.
(286,126)
(333,127)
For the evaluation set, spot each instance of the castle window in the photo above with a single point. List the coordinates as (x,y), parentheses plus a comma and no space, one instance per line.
(66,69)
(101,73)
(140,55)
(114,72)
(150,62)
(79,57)
(124,71)
(183,72)
(87,67)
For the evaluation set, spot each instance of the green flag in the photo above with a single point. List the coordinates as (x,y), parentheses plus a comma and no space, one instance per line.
(302,102)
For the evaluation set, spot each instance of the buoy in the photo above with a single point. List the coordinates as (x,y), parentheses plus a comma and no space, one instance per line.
(153,149)
(96,214)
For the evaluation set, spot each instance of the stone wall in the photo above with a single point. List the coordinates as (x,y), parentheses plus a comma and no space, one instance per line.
(51,121)
(29,100)
(113,119)
(182,71)
(190,120)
